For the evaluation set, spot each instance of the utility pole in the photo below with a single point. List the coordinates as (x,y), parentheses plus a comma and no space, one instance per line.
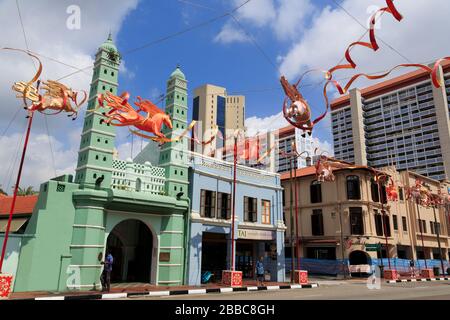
(437,230)
(291,200)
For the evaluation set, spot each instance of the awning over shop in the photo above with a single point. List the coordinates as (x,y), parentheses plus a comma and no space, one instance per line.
(16,224)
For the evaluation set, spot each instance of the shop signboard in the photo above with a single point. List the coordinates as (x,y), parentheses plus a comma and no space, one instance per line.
(252,234)
(373,247)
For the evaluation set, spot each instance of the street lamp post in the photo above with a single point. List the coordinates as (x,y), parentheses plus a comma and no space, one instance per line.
(291,197)
(436,229)
(383,197)
(421,234)
(295,246)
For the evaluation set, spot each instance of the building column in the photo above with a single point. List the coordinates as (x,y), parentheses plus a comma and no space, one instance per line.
(359,140)
(443,121)
(281,261)
(87,247)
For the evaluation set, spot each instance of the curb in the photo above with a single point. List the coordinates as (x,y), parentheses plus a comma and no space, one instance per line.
(109,296)
(417,280)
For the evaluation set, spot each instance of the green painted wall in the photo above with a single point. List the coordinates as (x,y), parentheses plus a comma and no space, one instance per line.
(44,258)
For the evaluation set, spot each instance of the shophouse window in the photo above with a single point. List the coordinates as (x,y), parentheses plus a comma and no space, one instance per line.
(395,221)
(387,222)
(404,224)
(316,192)
(224,205)
(317,222)
(400,193)
(250,209)
(422,226)
(353,188)
(378,223)
(208,204)
(265,216)
(432,227)
(374,191)
(356,221)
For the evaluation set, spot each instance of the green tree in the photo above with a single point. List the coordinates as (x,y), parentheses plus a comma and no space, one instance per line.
(26,192)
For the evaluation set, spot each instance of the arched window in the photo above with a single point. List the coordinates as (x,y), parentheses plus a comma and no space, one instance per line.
(316,192)
(138,184)
(353,188)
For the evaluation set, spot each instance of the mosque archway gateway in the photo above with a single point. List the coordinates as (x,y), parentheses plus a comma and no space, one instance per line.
(73,218)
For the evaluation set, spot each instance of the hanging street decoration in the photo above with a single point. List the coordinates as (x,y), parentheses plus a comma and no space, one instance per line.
(52,95)
(419,193)
(299,112)
(122,114)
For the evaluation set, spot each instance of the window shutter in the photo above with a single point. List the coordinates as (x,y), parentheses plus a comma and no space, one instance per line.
(202,203)
(228,206)
(219,205)
(246,209)
(213,204)
(255,210)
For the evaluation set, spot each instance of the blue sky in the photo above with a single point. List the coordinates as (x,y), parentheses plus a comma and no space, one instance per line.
(238,66)
(293,36)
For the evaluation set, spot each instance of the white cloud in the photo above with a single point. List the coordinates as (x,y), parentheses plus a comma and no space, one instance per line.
(38,166)
(231,33)
(257,125)
(323,146)
(286,19)
(290,18)
(418,36)
(260,12)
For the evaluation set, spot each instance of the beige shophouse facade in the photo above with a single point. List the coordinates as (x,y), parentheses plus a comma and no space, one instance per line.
(348,211)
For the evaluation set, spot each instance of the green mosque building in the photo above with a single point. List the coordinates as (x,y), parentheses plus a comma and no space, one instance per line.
(136,211)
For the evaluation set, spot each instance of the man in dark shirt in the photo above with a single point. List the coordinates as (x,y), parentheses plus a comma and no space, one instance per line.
(106,274)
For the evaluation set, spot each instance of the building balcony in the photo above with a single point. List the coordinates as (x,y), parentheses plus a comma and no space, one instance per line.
(130,176)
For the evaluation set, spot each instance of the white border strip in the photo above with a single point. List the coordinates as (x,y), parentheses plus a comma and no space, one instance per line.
(114,295)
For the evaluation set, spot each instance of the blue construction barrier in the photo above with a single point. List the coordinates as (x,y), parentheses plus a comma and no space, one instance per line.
(335,267)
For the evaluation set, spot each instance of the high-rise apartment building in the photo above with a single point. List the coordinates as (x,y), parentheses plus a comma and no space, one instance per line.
(403,122)
(212,107)
(285,137)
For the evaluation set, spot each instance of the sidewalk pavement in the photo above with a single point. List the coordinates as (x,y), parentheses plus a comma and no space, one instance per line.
(123,290)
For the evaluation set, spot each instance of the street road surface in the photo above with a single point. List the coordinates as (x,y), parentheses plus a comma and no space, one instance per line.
(336,290)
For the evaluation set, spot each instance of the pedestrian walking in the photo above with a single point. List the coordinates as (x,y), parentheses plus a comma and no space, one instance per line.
(260,272)
(412,268)
(106,274)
